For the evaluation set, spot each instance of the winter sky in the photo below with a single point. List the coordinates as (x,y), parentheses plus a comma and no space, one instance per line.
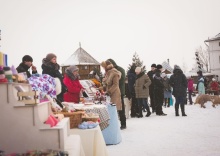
(156,29)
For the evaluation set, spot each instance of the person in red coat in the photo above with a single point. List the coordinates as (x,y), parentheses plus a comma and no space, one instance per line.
(74,88)
(214,86)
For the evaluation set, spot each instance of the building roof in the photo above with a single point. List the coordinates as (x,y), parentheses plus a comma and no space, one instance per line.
(166,66)
(80,57)
(217,37)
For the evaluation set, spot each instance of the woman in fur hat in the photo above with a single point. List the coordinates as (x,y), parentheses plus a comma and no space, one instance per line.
(111,81)
(74,88)
(51,67)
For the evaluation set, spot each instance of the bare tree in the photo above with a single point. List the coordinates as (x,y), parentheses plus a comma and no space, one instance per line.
(203,58)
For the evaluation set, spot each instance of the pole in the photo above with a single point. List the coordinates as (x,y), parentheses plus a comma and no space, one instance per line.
(198,60)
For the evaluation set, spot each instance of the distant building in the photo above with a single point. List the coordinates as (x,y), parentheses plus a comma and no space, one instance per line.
(84,61)
(167,68)
(214,54)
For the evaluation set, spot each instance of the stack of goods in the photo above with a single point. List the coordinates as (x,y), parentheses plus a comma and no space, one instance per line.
(74,114)
(87,125)
(8,73)
(3,59)
(91,117)
(47,152)
(2,75)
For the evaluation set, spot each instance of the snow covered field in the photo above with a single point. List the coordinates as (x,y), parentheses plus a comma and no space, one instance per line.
(198,134)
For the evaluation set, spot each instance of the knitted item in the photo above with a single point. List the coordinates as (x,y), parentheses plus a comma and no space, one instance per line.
(50,56)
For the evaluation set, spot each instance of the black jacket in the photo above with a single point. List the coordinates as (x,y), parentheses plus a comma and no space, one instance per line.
(24,68)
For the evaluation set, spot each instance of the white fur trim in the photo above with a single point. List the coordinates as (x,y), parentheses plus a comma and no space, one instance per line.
(58,85)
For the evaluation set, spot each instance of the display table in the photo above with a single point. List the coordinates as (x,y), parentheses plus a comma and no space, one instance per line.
(92,141)
(112,133)
(103,114)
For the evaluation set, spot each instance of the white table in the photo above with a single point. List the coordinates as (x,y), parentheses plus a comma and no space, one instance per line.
(92,141)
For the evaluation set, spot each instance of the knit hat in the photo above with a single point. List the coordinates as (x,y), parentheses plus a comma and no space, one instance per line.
(163,75)
(50,56)
(213,79)
(72,68)
(154,65)
(176,67)
(159,66)
(27,58)
(138,69)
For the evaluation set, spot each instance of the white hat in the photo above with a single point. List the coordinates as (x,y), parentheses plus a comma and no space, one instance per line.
(163,75)
(213,79)
(138,69)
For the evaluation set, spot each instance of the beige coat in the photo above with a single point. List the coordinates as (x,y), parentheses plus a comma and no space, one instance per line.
(142,86)
(112,86)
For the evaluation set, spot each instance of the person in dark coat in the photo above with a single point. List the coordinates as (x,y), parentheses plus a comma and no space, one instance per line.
(51,67)
(131,81)
(151,87)
(122,90)
(179,83)
(158,91)
(27,63)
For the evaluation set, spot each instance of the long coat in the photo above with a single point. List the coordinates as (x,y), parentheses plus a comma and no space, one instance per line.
(112,86)
(73,90)
(122,79)
(179,83)
(142,84)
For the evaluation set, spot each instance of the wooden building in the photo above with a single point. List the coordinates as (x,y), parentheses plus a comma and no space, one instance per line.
(84,61)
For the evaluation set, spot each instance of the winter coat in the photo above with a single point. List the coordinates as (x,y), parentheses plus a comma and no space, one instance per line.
(122,79)
(158,82)
(179,83)
(24,68)
(200,84)
(190,85)
(53,70)
(214,85)
(73,90)
(111,81)
(151,74)
(142,84)
(167,88)
(131,81)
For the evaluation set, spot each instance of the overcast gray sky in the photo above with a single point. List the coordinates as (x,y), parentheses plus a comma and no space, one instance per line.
(155,29)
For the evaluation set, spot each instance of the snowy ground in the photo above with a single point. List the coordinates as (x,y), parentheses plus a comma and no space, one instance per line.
(198,134)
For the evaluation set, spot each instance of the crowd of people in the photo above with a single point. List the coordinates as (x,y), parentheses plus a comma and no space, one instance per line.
(154,84)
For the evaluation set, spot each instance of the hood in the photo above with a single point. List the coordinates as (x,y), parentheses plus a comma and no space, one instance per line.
(113,62)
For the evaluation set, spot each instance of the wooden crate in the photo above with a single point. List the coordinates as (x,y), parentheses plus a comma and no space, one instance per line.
(31,97)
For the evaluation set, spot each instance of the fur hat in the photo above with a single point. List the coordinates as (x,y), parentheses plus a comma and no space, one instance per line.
(159,66)
(176,67)
(72,68)
(104,64)
(163,75)
(50,56)
(138,69)
(213,79)
(27,58)
(154,65)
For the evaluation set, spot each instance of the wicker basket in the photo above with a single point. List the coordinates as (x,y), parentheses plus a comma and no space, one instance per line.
(75,118)
(94,118)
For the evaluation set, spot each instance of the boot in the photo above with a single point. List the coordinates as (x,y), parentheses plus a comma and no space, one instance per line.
(182,106)
(148,112)
(140,115)
(177,109)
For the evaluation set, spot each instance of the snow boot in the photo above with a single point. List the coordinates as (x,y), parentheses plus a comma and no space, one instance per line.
(182,106)
(177,109)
